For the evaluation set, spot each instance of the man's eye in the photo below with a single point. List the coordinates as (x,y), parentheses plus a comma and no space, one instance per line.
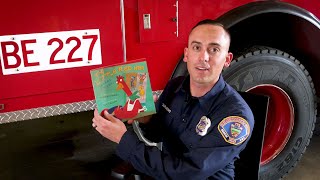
(213,50)
(196,48)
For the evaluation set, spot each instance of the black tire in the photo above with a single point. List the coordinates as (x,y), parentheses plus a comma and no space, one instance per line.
(301,92)
(299,88)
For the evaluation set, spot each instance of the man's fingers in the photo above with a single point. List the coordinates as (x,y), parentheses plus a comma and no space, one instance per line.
(95,122)
(155,98)
(100,121)
(130,121)
(96,113)
(108,126)
(110,117)
(97,116)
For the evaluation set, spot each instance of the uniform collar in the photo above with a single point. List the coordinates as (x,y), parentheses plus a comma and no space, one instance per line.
(185,88)
(209,98)
(206,100)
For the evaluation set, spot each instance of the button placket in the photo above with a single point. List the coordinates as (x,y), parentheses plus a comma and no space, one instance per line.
(184,120)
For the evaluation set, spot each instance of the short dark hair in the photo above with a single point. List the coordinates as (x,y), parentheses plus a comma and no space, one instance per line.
(212,22)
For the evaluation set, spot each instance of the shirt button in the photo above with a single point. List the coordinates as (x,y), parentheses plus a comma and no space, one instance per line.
(184,120)
(190,145)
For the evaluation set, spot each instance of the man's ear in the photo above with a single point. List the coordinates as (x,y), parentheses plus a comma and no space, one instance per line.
(228,59)
(185,58)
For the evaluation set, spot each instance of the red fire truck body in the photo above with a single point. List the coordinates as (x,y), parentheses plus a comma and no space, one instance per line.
(49,47)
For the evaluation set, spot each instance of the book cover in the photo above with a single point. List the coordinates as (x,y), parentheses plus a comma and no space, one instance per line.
(124,90)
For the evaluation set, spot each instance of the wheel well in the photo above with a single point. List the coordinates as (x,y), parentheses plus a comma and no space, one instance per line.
(279,25)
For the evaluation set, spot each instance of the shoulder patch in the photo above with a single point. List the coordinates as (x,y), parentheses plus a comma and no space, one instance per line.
(234,129)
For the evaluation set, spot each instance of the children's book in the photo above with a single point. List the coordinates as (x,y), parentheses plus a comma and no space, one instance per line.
(124,90)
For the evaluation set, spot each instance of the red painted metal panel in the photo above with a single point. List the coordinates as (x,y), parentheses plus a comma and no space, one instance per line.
(163,56)
(37,16)
(163,26)
(42,100)
(162,51)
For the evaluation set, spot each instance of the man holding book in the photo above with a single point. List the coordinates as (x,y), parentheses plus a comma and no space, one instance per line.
(202,121)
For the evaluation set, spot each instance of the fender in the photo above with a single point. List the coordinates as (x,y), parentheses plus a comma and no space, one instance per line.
(276,24)
(249,10)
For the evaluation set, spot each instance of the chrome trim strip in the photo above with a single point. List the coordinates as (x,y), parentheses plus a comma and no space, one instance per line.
(123,29)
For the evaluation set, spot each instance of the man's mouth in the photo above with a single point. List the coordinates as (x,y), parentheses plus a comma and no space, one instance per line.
(202,68)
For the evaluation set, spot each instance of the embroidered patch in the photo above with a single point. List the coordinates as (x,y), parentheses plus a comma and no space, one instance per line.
(203,125)
(234,129)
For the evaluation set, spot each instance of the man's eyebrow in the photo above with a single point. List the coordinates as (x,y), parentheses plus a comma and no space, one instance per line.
(211,44)
(195,42)
(214,44)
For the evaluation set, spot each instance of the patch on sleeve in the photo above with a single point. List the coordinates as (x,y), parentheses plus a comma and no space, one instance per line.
(234,129)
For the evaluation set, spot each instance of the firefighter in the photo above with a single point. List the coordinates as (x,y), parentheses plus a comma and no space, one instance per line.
(202,121)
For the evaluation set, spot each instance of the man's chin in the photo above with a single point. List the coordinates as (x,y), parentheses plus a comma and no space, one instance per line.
(201,80)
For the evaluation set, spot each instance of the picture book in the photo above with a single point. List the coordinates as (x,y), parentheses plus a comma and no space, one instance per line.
(124,90)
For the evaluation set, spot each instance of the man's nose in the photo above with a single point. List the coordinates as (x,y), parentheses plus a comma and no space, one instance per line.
(204,56)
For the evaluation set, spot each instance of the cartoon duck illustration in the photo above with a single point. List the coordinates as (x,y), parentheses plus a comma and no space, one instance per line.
(142,91)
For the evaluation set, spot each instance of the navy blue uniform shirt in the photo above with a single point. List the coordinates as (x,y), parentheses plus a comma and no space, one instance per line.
(202,137)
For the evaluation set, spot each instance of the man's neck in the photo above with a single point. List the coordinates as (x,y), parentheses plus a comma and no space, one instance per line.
(199,90)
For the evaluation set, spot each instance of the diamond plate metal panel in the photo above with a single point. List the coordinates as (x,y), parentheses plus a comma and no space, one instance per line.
(49,111)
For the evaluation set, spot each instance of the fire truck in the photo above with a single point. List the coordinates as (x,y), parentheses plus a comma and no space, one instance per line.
(49,47)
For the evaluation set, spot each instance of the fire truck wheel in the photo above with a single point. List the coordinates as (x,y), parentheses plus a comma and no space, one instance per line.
(292,106)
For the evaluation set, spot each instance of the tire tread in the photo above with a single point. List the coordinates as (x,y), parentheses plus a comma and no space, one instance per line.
(257,50)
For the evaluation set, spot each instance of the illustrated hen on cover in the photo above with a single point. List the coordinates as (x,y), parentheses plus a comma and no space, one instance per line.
(123,90)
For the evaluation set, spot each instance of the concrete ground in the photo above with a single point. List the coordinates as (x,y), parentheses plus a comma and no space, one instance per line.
(67,146)
(308,167)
